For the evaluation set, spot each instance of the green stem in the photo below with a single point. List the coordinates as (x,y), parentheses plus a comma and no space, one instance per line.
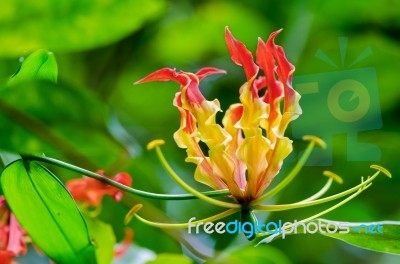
(119,185)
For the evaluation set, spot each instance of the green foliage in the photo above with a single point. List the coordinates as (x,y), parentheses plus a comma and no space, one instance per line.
(70,25)
(388,241)
(103,46)
(40,65)
(170,259)
(204,31)
(36,124)
(35,129)
(381,236)
(48,213)
(103,238)
(250,254)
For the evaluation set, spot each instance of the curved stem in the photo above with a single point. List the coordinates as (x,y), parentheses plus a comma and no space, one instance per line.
(184,225)
(293,173)
(119,185)
(187,187)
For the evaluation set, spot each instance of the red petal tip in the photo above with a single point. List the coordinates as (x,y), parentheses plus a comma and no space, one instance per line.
(164,74)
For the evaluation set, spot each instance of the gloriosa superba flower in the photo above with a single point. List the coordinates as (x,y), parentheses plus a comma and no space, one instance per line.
(247,151)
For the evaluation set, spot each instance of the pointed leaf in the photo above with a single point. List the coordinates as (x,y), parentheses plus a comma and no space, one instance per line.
(40,65)
(46,210)
(381,236)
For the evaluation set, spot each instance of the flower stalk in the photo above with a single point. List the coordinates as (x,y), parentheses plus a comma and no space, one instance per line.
(118,185)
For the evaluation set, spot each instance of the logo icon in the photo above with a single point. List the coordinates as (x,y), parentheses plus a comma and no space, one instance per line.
(344,101)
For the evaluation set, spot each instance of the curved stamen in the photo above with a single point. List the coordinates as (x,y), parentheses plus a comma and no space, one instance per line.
(321,192)
(296,169)
(182,183)
(183,225)
(132,212)
(282,207)
(332,177)
(382,169)
(323,212)
(315,139)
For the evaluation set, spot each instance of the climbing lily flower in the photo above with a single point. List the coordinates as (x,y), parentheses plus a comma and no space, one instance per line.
(246,151)
(12,236)
(91,191)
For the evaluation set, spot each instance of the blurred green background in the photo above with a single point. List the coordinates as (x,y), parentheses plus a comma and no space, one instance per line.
(95,118)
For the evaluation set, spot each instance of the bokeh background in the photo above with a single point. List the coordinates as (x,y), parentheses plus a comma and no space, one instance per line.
(102,121)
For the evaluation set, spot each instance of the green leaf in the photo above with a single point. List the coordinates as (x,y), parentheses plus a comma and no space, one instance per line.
(383,236)
(70,25)
(250,254)
(103,237)
(40,65)
(367,236)
(48,213)
(166,258)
